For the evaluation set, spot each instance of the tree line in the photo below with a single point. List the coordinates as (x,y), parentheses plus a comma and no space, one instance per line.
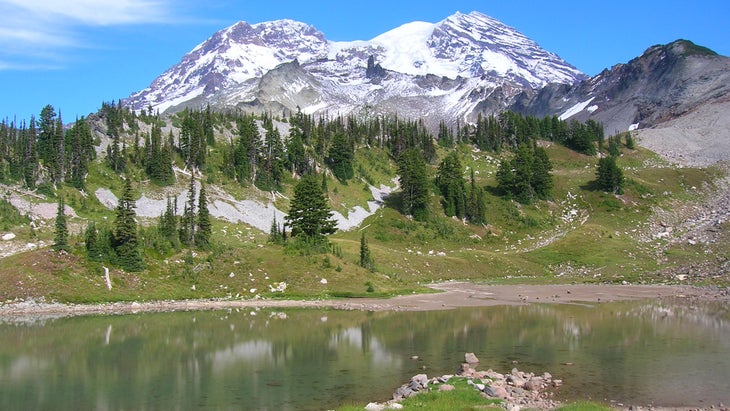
(256,153)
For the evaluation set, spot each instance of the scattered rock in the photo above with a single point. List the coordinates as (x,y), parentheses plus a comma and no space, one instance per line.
(471,358)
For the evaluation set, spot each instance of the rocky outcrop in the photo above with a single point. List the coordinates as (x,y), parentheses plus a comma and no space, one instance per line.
(517,390)
(664,83)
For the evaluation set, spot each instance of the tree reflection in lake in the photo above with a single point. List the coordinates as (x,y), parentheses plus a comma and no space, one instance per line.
(666,353)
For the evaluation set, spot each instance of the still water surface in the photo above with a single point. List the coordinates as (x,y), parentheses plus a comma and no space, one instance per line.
(636,353)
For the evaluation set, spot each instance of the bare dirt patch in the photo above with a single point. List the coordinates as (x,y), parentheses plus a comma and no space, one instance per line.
(452,295)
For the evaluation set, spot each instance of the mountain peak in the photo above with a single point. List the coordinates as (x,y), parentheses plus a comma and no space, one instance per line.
(681,48)
(227,67)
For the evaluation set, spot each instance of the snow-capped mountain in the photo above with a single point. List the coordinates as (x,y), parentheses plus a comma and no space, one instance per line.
(465,62)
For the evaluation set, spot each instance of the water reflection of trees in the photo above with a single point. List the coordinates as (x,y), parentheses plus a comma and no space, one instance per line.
(303,358)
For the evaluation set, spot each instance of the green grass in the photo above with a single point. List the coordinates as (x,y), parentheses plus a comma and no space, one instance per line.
(520,243)
(463,398)
(466,398)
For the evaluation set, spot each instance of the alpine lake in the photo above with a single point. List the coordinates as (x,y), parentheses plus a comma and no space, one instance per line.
(658,352)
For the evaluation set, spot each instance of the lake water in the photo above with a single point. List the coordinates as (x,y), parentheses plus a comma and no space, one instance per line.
(633,352)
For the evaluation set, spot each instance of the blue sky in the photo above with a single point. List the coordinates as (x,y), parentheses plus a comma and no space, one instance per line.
(75,54)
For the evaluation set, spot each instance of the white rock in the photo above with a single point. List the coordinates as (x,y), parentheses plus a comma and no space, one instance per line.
(323,281)
(374,406)
(8,236)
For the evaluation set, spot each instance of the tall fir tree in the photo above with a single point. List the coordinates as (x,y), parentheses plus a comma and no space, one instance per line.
(91,242)
(60,240)
(187,221)
(125,237)
(366,258)
(476,206)
(542,180)
(609,176)
(413,178)
(204,228)
(309,212)
(450,182)
(168,223)
(340,157)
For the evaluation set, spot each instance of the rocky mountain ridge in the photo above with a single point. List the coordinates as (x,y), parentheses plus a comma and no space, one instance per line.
(665,82)
(452,70)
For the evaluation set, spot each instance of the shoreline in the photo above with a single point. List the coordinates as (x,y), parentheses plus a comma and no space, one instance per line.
(452,295)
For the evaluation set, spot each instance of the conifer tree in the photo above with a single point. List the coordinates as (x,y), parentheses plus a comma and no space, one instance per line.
(187,221)
(168,223)
(271,163)
(295,152)
(30,156)
(204,229)
(610,177)
(476,207)
(366,259)
(46,132)
(276,232)
(413,178)
(542,181)
(340,157)
(125,240)
(526,176)
(60,240)
(309,213)
(451,184)
(91,241)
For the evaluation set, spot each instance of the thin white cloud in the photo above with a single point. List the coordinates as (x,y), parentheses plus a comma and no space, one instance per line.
(35,30)
(97,12)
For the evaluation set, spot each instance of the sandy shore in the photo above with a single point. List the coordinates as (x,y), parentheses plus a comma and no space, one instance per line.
(451,295)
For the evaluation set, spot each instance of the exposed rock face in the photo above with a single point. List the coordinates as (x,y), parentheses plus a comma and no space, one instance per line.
(664,83)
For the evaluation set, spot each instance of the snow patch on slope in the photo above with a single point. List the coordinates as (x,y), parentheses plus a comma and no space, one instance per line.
(253,213)
(575,109)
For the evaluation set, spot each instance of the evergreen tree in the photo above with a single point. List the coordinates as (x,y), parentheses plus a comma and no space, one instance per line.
(80,150)
(245,149)
(158,163)
(413,178)
(340,157)
(366,259)
(168,224)
(450,182)
(610,177)
(476,206)
(505,177)
(295,152)
(271,160)
(187,221)
(125,241)
(309,213)
(91,241)
(46,133)
(526,176)
(276,232)
(60,240)
(542,180)
(445,135)
(204,229)
(30,156)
